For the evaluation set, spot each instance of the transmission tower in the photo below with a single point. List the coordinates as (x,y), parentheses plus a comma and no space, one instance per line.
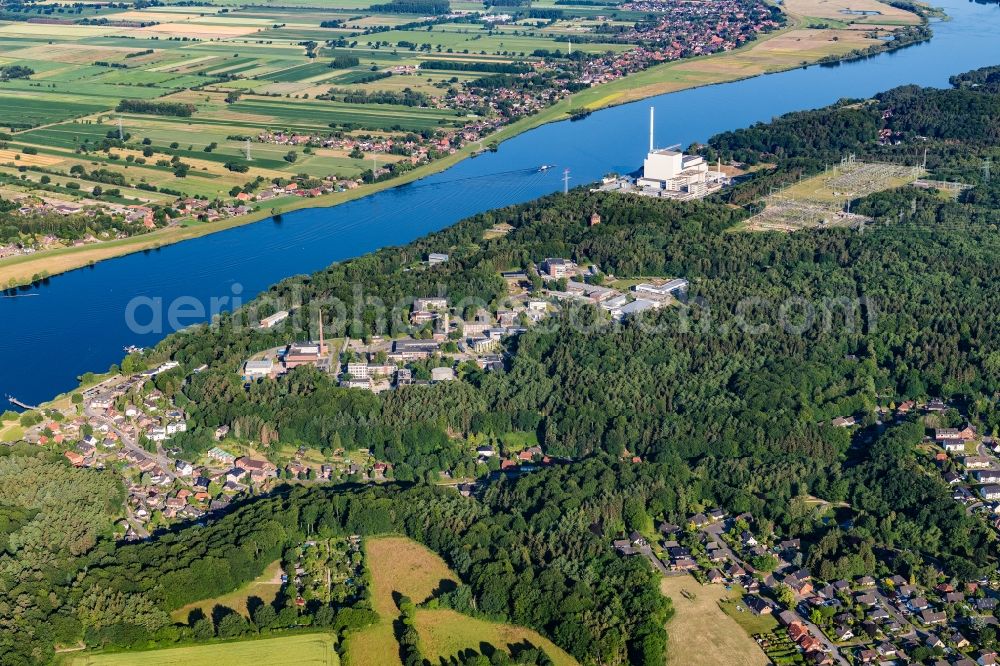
(987,164)
(121,130)
(246,150)
(566,181)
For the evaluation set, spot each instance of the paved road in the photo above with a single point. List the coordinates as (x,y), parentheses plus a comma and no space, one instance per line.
(656,562)
(714,532)
(898,616)
(818,633)
(137,526)
(165,463)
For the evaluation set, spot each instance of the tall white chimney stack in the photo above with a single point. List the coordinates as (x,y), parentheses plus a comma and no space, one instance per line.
(651,109)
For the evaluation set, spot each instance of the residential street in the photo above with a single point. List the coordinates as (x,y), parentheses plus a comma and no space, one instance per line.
(714,532)
(165,463)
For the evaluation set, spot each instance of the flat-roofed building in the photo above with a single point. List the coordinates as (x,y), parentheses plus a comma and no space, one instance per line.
(482,345)
(670,288)
(430,304)
(258,369)
(556,267)
(274,320)
(410,350)
(442,374)
(358,370)
(304,353)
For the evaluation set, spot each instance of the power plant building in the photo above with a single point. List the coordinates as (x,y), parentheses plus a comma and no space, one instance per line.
(668,172)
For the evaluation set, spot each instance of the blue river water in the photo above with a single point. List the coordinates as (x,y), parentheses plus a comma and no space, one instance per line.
(76,322)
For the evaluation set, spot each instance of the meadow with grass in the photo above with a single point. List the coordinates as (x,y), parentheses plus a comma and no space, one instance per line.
(703,616)
(300,650)
(400,567)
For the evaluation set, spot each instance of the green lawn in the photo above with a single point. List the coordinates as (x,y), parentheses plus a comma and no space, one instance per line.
(752,624)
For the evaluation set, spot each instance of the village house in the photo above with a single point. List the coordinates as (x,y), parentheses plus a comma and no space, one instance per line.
(683,564)
(221,455)
(258,469)
(987,476)
(990,493)
(976,462)
(758,605)
(929,617)
(842,633)
(944,436)
(74,458)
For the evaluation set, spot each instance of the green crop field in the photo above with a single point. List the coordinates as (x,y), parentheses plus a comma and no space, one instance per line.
(300,72)
(301,650)
(321,114)
(22,111)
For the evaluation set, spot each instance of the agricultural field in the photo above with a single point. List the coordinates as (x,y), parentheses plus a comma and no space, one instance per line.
(301,650)
(857,11)
(136,111)
(711,636)
(400,566)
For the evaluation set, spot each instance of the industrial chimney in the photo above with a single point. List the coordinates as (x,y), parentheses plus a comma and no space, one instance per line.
(651,109)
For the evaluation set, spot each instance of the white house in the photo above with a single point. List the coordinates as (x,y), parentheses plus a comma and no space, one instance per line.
(991,492)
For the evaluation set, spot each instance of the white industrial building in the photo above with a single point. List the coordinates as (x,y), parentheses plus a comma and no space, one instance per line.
(258,369)
(274,320)
(668,172)
(675,287)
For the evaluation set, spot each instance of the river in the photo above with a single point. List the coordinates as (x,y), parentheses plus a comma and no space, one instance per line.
(76,322)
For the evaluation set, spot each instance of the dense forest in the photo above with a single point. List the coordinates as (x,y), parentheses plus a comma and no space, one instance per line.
(727,400)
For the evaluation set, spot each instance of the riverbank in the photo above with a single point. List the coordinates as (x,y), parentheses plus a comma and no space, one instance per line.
(794,46)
